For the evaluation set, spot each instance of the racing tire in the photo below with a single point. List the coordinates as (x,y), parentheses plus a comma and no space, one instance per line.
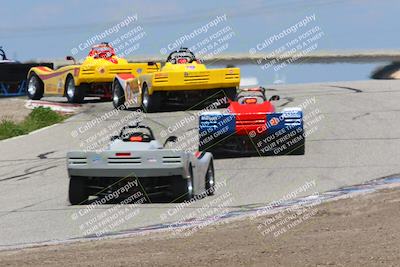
(75,94)
(118,95)
(150,103)
(77,194)
(210,179)
(35,87)
(230,93)
(182,188)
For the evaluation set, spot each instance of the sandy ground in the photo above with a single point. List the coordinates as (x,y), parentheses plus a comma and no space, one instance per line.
(360,231)
(13,109)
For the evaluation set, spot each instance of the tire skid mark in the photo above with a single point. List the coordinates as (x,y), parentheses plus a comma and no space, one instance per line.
(44,155)
(28,171)
(19,162)
(25,207)
(31,161)
(288,101)
(40,157)
(356,90)
(361,115)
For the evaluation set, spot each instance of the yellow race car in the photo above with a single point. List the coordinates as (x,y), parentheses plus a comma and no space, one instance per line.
(93,77)
(183,80)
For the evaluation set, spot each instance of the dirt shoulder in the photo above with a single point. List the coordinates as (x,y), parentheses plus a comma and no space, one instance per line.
(13,109)
(361,231)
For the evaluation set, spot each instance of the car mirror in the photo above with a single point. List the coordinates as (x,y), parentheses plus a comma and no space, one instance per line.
(274,98)
(70,58)
(171,139)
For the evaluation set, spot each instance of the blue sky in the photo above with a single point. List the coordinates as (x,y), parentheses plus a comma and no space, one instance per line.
(51,28)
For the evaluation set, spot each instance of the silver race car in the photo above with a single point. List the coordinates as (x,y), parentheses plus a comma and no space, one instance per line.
(135,157)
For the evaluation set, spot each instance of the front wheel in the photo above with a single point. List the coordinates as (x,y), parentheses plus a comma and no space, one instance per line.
(77,191)
(74,94)
(150,103)
(35,88)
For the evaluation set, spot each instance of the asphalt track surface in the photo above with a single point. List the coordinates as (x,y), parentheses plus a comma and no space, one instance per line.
(356,139)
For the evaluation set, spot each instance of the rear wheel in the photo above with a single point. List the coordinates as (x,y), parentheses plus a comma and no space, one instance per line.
(77,191)
(150,103)
(210,179)
(118,95)
(35,88)
(183,188)
(75,94)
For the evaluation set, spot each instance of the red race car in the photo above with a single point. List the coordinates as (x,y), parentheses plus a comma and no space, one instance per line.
(251,126)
